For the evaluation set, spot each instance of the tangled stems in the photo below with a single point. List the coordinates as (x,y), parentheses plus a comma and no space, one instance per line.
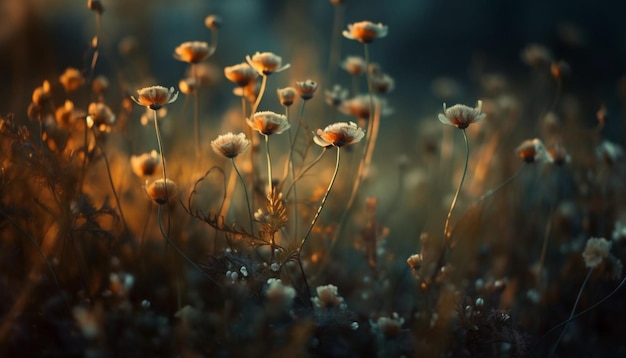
(245,189)
(580,292)
(446,233)
(106,163)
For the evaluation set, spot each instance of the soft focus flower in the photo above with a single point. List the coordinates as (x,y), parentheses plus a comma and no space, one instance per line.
(382,83)
(160,190)
(266,63)
(365,31)
(240,74)
(230,145)
(100,84)
(268,122)
(71,79)
(359,106)
(339,134)
(536,55)
(100,115)
(192,51)
(558,154)
(336,96)
(188,85)
(306,89)
(213,22)
(146,164)
(279,296)
(354,65)
(461,116)
(328,297)
(415,261)
(286,96)
(95,5)
(155,97)
(42,94)
(250,91)
(609,152)
(532,150)
(66,115)
(595,251)
(388,326)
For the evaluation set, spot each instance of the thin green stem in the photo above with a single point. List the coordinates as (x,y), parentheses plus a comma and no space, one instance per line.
(580,292)
(446,233)
(319,210)
(245,189)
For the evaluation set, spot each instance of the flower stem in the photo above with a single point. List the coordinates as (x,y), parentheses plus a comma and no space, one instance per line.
(580,292)
(269,163)
(319,210)
(160,143)
(245,189)
(196,121)
(446,233)
(260,96)
(292,170)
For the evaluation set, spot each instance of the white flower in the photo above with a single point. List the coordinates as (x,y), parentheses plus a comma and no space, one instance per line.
(461,116)
(339,134)
(266,63)
(365,31)
(230,145)
(595,251)
(155,97)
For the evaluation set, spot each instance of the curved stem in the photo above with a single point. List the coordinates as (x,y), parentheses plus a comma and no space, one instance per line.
(245,189)
(319,210)
(258,98)
(305,170)
(171,243)
(580,292)
(446,233)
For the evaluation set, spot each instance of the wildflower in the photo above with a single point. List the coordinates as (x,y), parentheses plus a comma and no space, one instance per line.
(339,134)
(388,326)
(241,74)
(354,65)
(213,22)
(532,150)
(155,97)
(146,164)
(205,73)
(382,83)
(230,145)
(278,294)
(71,79)
(415,261)
(67,114)
(609,152)
(558,154)
(42,94)
(100,115)
(328,297)
(365,31)
(536,55)
(192,51)
(161,190)
(266,63)
(95,5)
(306,89)
(250,91)
(461,116)
(359,106)
(596,250)
(286,96)
(268,122)
(336,96)
(100,84)
(559,69)
(188,85)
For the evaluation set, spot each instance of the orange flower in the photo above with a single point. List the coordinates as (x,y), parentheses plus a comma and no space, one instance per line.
(146,164)
(161,190)
(268,123)
(192,51)
(155,97)
(339,134)
(71,79)
(365,31)
(266,63)
(532,150)
(240,74)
